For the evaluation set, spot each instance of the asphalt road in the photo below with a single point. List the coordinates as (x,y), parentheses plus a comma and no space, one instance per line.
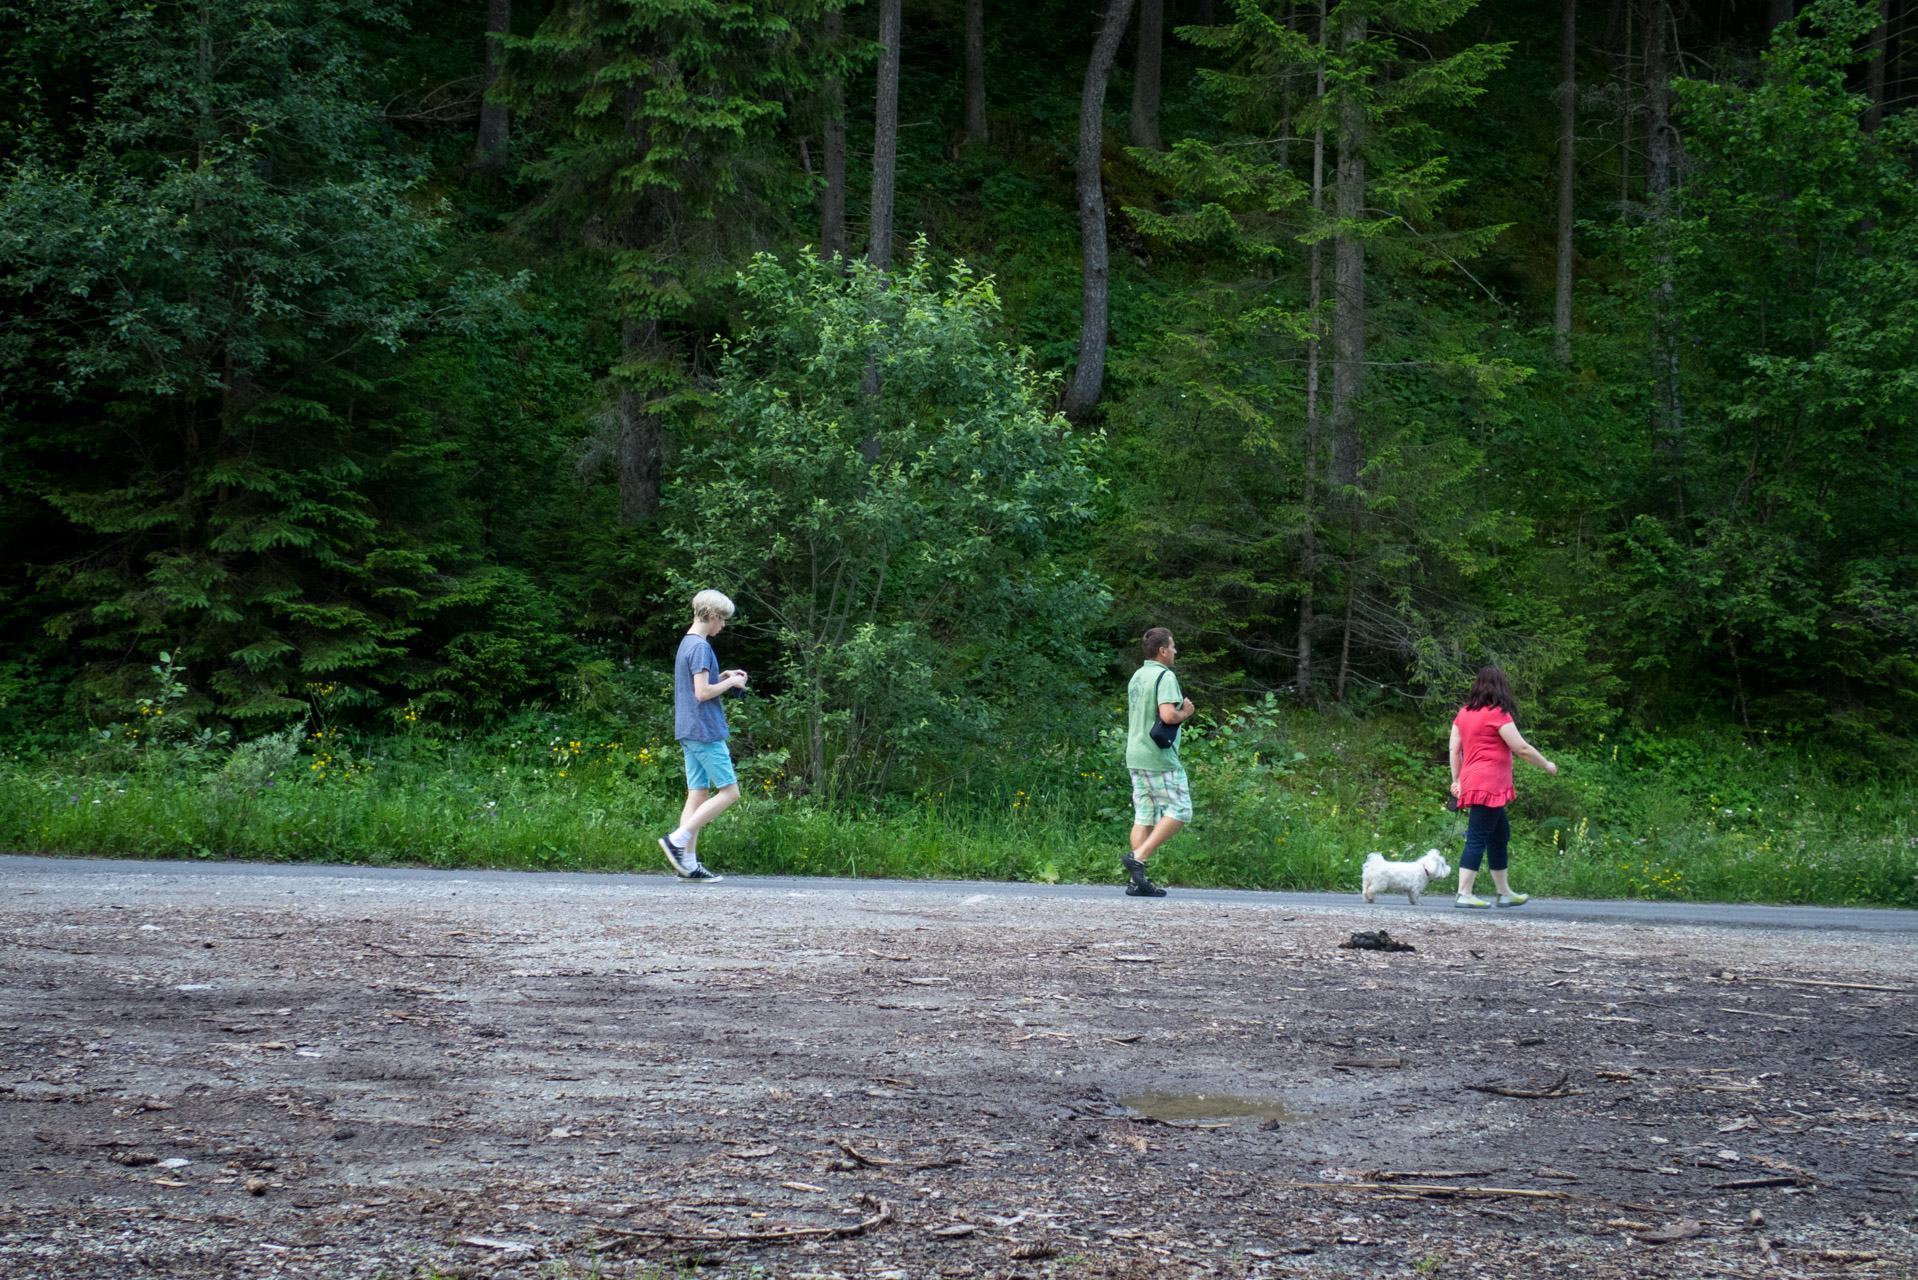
(1713,914)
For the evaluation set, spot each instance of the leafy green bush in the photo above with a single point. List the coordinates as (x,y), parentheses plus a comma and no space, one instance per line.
(883,486)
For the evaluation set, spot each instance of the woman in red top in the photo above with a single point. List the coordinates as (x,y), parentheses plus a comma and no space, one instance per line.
(1484,739)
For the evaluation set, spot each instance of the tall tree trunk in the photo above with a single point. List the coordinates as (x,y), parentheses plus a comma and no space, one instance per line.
(832,201)
(1315,256)
(1656,15)
(638,453)
(1145,75)
(1625,118)
(1878,44)
(1348,326)
(641,353)
(1348,277)
(1285,109)
(885,136)
(494,116)
(975,70)
(1351,593)
(1567,158)
(1667,415)
(1089,377)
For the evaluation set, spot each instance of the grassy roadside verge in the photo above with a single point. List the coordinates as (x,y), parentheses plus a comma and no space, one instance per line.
(1285,800)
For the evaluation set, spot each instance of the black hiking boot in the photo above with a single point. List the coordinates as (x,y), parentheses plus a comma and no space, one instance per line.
(1141,887)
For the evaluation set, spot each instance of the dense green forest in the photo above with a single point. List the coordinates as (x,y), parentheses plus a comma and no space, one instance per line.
(394,372)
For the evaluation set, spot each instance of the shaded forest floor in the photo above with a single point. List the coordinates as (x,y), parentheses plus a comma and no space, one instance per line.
(454,1078)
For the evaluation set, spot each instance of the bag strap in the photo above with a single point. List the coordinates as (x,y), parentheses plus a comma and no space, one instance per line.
(1156,686)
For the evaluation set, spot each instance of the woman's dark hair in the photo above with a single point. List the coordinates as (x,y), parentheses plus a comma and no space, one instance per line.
(1492,689)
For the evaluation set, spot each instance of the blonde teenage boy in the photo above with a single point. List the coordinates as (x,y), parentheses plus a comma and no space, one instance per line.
(699,722)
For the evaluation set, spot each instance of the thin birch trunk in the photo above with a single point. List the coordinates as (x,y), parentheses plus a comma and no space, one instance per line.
(1567,160)
(885,136)
(1348,278)
(1351,593)
(1625,121)
(832,201)
(1348,326)
(494,117)
(1315,256)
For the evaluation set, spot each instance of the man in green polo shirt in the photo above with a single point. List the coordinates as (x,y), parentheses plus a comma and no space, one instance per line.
(1161,801)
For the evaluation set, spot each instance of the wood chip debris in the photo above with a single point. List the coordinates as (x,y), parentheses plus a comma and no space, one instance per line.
(1525,1193)
(1556,1089)
(1683,1229)
(1844,986)
(503,1246)
(883,1213)
(853,1153)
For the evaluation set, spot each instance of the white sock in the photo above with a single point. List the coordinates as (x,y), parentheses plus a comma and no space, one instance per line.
(679,838)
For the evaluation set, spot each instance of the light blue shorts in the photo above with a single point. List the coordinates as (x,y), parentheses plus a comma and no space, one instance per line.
(709,765)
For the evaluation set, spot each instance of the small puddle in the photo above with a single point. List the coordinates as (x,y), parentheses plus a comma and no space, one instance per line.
(1210,1106)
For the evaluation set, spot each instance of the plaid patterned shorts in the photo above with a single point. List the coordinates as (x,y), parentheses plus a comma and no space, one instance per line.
(1159,793)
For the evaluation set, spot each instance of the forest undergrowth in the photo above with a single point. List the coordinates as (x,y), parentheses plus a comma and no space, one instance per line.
(1285,799)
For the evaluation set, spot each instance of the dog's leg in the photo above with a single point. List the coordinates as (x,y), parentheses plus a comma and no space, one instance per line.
(1412,896)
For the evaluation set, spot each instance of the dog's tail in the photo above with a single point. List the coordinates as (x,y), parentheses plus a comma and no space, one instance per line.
(1372,859)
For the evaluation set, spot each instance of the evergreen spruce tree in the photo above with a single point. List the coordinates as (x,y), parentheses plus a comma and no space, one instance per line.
(207,268)
(658,164)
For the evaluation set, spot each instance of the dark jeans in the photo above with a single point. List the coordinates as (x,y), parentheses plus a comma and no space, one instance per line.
(1487,831)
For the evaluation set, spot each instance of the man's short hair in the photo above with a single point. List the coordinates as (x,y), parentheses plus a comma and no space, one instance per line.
(712,606)
(1154,640)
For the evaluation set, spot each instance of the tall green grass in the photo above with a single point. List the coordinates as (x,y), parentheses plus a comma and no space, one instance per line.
(1285,799)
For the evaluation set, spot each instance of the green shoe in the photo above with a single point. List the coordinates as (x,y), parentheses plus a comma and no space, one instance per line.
(1513,899)
(1467,900)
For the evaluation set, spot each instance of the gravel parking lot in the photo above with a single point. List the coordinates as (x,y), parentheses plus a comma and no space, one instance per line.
(334,1073)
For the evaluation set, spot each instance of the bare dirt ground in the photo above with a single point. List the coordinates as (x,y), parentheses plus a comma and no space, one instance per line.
(457,1077)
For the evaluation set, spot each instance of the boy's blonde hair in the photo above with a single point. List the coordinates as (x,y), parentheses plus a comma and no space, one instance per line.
(712,606)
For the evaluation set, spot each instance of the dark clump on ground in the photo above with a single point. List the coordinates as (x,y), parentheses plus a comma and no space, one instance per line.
(1375,940)
(330,1076)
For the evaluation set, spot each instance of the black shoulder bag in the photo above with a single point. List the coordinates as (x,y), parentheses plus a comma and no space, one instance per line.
(1165,735)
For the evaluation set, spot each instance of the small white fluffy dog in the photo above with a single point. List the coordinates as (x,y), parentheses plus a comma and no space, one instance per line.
(1408,878)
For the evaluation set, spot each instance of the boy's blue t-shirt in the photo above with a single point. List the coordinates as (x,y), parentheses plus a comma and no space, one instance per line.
(692,719)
